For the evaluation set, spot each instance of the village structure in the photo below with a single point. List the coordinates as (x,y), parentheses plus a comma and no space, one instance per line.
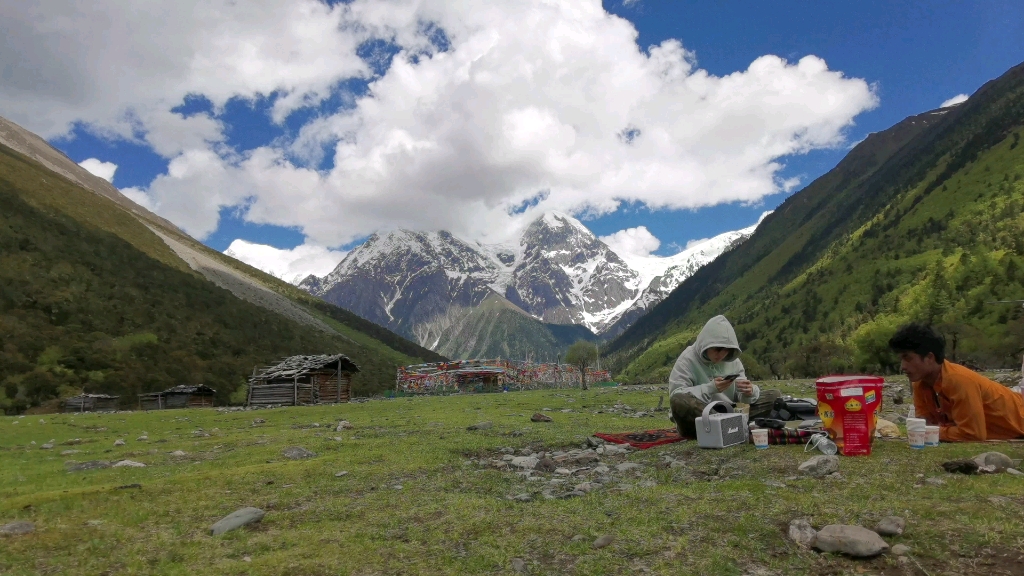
(183,396)
(490,375)
(302,381)
(91,403)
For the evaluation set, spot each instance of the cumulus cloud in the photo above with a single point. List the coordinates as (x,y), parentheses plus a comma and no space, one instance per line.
(485,107)
(632,241)
(289,265)
(99,168)
(958,99)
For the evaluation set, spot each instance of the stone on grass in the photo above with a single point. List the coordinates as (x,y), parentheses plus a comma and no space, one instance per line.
(603,541)
(17,528)
(525,462)
(297,453)
(587,487)
(820,466)
(627,466)
(119,442)
(69,452)
(801,532)
(237,519)
(853,541)
(891,526)
(90,465)
(523,497)
(47,446)
(934,481)
(519,566)
(1014,472)
(179,453)
(344,425)
(538,417)
(998,460)
(340,474)
(142,438)
(128,464)
(546,465)
(594,442)
(901,549)
(961,467)
(481,426)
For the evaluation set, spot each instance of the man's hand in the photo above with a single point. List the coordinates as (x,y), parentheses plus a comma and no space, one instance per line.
(722,384)
(744,387)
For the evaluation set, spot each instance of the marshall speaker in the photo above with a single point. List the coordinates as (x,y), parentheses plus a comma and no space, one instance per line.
(718,430)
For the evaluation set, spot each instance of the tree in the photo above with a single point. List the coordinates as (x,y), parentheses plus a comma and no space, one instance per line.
(582,355)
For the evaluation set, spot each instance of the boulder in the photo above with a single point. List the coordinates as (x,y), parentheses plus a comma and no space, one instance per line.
(538,417)
(344,425)
(128,464)
(594,442)
(237,519)
(297,453)
(118,442)
(546,465)
(17,528)
(525,462)
(819,466)
(891,526)
(481,426)
(518,566)
(801,532)
(853,541)
(603,541)
(999,461)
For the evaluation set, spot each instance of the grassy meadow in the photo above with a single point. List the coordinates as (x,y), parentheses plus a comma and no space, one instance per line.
(417,500)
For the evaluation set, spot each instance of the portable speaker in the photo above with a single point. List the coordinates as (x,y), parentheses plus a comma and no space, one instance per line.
(718,430)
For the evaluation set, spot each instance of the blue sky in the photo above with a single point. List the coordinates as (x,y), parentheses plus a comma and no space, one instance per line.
(914,56)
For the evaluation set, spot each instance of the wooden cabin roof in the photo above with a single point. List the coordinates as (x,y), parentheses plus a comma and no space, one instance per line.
(296,366)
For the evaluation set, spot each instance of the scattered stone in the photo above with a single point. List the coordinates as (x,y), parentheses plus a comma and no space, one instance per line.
(237,519)
(578,538)
(519,566)
(570,494)
(340,474)
(246,559)
(854,541)
(934,481)
(603,541)
(538,417)
(69,452)
(142,438)
(546,465)
(17,528)
(525,462)
(344,425)
(1000,501)
(297,453)
(961,467)
(258,421)
(90,465)
(602,469)
(801,532)
(891,526)
(587,487)
(819,466)
(998,460)
(94,523)
(179,453)
(481,426)
(901,550)
(507,450)
(563,471)
(627,466)
(118,442)
(595,442)
(73,442)
(1014,472)
(523,497)
(397,487)
(129,464)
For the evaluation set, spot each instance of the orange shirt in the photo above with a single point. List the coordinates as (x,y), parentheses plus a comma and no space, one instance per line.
(969,407)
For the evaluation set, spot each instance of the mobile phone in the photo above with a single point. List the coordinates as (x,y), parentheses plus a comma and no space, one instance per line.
(731,377)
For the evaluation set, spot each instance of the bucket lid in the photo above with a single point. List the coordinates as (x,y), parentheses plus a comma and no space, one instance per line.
(850,379)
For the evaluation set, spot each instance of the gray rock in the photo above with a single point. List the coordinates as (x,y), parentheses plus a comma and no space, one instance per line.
(90,465)
(934,481)
(142,438)
(901,549)
(481,426)
(563,471)
(570,494)
(519,566)
(587,487)
(997,460)
(47,446)
(891,526)
(340,474)
(594,442)
(627,466)
(546,465)
(854,541)
(538,417)
(801,532)
(603,541)
(578,538)
(819,466)
(118,442)
(525,462)
(179,453)
(297,453)
(523,497)
(128,464)
(507,450)
(237,519)
(344,425)
(1014,472)
(17,528)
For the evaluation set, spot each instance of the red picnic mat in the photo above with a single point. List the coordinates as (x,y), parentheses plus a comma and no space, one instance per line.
(643,440)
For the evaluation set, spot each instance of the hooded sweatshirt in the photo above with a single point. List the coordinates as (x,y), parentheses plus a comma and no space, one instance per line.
(695,374)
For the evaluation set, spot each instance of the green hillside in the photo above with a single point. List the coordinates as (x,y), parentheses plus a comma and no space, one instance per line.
(497,329)
(920,222)
(91,298)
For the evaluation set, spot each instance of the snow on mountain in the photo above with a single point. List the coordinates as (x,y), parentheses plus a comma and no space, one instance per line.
(558,272)
(289,265)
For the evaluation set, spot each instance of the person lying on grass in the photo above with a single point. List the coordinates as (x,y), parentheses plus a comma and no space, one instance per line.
(699,377)
(966,406)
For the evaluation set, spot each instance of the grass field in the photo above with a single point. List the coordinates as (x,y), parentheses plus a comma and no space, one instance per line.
(417,500)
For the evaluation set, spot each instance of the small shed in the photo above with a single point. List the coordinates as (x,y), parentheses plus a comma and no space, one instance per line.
(303,380)
(183,396)
(91,403)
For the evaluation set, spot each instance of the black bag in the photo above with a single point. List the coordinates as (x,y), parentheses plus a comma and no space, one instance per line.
(789,409)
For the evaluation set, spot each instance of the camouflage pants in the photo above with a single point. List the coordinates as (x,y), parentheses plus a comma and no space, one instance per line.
(686,408)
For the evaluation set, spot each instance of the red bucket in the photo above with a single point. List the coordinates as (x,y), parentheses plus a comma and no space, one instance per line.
(848,408)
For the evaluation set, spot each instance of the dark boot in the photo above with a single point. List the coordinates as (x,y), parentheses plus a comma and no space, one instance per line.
(685,409)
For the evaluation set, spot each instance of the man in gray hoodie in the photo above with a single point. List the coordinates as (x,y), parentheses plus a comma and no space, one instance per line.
(698,378)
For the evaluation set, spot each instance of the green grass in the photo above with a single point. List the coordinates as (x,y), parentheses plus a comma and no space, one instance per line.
(715,515)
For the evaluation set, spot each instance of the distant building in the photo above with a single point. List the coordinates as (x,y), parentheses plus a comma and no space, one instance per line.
(489,375)
(91,403)
(183,396)
(303,380)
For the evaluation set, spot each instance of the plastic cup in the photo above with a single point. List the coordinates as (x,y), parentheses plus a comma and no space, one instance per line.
(760,436)
(916,433)
(931,435)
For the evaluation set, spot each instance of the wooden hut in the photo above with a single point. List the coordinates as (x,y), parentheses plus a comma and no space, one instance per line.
(303,380)
(91,403)
(183,396)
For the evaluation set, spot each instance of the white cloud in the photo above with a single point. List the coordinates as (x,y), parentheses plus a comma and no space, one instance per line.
(99,168)
(694,242)
(289,265)
(958,99)
(532,98)
(632,241)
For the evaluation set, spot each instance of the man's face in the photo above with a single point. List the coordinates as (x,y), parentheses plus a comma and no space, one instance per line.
(917,367)
(716,354)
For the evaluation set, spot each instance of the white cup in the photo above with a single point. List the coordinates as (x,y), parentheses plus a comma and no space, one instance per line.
(931,435)
(760,436)
(916,432)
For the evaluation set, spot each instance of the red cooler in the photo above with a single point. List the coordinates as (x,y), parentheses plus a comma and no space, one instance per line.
(848,407)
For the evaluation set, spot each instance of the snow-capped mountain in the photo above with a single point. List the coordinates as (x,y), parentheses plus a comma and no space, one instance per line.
(558,272)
